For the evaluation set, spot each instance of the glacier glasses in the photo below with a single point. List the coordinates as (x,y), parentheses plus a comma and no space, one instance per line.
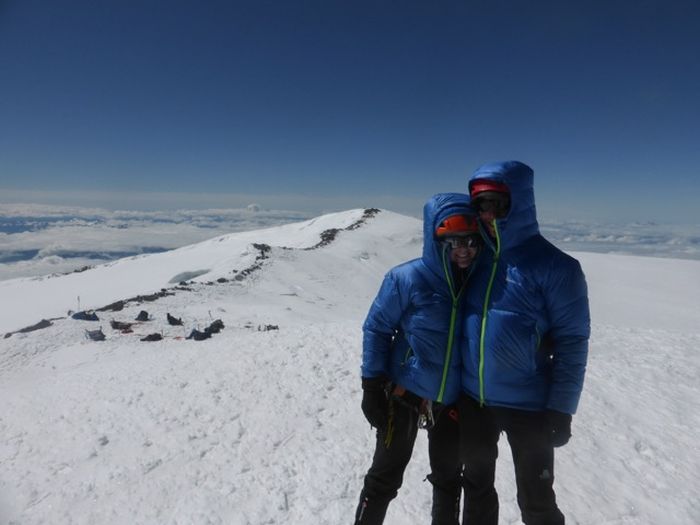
(495,202)
(464,241)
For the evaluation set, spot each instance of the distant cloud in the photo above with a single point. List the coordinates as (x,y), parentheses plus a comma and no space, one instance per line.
(39,239)
(655,240)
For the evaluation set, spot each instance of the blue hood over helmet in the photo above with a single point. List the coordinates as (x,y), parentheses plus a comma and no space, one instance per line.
(411,331)
(436,210)
(527,321)
(521,222)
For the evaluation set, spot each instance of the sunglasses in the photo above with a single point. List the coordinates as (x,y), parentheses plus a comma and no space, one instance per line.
(470,241)
(498,204)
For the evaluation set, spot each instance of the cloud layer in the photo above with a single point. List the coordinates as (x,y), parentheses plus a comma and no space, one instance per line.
(39,239)
(43,239)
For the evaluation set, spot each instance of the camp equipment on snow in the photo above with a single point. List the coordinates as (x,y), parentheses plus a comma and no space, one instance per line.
(117,325)
(215,327)
(174,321)
(85,316)
(198,336)
(95,335)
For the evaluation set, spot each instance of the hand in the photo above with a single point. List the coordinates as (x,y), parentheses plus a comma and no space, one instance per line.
(375,404)
(559,426)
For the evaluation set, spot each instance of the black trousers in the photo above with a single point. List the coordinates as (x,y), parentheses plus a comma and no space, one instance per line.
(392,453)
(533,459)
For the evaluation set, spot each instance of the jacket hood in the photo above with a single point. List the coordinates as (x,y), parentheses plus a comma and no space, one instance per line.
(521,222)
(437,209)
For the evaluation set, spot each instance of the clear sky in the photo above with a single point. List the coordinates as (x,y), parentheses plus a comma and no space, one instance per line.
(353,103)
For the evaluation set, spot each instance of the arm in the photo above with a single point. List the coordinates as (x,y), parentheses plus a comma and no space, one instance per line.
(569,316)
(378,333)
(379,328)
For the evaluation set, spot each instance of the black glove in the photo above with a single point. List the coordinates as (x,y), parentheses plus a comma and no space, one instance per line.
(375,402)
(559,426)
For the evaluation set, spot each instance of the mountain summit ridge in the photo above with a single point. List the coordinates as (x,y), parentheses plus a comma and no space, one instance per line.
(222,258)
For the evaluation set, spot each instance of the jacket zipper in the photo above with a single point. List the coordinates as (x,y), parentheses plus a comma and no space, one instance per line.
(453,317)
(484,315)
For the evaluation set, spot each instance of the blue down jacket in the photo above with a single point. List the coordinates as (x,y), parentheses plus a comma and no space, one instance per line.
(410,333)
(527,321)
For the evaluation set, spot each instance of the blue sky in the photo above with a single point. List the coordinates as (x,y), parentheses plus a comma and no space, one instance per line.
(338,104)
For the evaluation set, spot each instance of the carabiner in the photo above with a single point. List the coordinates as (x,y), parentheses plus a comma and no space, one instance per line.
(425,417)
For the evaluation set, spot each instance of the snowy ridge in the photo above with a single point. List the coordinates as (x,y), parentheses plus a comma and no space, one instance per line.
(219,258)
(259,426)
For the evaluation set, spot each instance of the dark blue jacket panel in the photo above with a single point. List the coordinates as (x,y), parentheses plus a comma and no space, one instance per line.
(406,333)
(530,352)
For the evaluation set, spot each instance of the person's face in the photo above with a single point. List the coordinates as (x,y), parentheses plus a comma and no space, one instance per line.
(491,206)
(463,253)
(463,257)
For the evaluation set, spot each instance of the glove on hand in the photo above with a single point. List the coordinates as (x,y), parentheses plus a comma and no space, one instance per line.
(375,404)
(559,425)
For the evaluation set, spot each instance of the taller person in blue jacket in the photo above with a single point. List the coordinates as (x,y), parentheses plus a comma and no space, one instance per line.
(411,363)
(525,347)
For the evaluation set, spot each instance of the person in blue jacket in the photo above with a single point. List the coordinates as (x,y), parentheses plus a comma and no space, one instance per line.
(411,363)
(524,349)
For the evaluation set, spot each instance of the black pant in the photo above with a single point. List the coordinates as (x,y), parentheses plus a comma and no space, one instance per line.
(392,453)
(533,458)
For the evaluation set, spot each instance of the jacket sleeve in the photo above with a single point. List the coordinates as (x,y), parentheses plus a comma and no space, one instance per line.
(383,320)
(570,328)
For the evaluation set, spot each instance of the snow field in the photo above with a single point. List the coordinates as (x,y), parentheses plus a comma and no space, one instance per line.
(264,427)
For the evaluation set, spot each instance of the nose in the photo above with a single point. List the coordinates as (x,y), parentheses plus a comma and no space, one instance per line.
(464,251)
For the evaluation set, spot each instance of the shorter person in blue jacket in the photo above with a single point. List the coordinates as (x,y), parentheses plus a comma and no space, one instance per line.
(411,363)
(524,352)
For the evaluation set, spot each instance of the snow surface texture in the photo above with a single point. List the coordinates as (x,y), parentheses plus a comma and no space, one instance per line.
(261,424)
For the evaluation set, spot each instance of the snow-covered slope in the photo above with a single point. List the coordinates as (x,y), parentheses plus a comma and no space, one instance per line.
(28,300)
(261,425)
